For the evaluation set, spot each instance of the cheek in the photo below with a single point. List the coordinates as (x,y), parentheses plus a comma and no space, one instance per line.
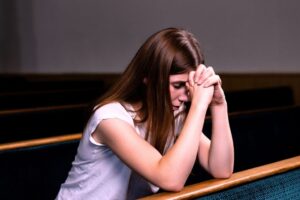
(174,94)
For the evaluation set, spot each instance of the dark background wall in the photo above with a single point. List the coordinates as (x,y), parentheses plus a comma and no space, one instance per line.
(75,36)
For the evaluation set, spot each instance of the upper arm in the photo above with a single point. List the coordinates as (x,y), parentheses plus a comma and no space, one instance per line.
(132,149)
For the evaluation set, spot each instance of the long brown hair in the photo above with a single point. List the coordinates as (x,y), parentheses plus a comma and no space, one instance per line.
(146,80)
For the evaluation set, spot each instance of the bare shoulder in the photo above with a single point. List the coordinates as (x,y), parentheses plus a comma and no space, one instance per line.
(111,130)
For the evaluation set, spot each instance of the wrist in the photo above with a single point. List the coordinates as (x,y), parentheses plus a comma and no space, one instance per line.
(199,106)
(218,107)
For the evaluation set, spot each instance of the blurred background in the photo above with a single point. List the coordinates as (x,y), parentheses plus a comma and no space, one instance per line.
(96,36)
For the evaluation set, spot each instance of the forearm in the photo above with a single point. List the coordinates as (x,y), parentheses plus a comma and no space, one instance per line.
(179,160)
(221,151)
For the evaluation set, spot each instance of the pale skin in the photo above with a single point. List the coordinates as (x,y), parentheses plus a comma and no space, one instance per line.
(170,171)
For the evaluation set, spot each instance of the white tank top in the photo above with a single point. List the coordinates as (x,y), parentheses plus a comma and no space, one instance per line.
(97,173)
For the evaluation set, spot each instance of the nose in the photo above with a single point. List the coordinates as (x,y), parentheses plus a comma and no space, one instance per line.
(184,97)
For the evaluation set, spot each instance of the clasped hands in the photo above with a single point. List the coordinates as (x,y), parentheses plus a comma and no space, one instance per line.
(204,86)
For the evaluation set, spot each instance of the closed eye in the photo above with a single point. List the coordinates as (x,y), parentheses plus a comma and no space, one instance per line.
(178,85)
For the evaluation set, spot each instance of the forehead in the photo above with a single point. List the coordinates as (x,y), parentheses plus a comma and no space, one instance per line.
(179,77)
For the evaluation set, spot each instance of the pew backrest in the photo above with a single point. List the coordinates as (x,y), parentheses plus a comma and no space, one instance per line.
(36,90)
(260,137)
(11,83)
(35,169)
(259,98)
(264,136)
(24,124)
(32,99)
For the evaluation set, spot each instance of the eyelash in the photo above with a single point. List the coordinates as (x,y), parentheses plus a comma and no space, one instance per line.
(178,85)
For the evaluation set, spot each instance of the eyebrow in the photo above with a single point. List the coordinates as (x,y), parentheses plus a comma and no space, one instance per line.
(178,81)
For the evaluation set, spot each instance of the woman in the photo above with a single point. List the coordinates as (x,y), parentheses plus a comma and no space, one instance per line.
(142,137)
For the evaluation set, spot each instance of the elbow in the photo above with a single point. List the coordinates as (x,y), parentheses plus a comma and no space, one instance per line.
(222,171)
(223,174)
(173,186)
(171,180)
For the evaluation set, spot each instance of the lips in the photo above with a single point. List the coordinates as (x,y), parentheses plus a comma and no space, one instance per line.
(176,107)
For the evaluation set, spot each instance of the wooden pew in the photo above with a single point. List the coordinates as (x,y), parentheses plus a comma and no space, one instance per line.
(11,83)
(24,124)
(32,90)
(35,169)
(278,180)
(36,90)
